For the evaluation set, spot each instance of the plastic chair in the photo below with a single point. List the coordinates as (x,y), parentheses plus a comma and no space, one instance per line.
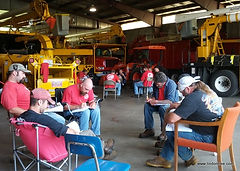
(41,142)
(149,79)
(225,132)
(112,83)
(91,146)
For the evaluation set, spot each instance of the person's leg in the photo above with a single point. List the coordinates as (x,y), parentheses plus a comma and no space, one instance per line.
(95,119)
(183,152)
(135,88)
(83,120)
(148,115)
(118,86)
(56,117)
(161,111)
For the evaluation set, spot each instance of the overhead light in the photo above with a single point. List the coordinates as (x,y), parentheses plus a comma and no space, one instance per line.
(92,8)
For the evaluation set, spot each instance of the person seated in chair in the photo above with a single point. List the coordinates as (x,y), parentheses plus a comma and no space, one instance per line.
(40,99)
(122,76)
(144,81)
(15,96)
(200,104)
(165,92)
(112,76)
(76,97)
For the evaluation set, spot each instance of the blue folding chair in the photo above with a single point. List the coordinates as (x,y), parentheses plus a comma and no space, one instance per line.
(91,146)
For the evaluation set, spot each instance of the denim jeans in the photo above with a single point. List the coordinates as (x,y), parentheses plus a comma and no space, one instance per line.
(56,117)
(87,115)
(183,152)
(136,85)
(148,114)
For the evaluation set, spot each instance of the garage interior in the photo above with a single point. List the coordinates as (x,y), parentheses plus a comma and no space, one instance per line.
(172,24)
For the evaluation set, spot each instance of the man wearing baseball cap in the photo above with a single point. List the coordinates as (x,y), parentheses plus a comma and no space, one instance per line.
(15,96)
(194,107)
(40,98)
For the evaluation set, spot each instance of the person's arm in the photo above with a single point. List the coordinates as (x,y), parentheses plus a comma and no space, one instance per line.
(171,118)
(16,111)
(71,131)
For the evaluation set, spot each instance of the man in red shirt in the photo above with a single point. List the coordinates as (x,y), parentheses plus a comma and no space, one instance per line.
(112,76)
(15,96)
(77,96)
(144,81)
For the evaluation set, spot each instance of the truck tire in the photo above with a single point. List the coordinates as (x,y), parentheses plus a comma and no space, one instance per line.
(224,83)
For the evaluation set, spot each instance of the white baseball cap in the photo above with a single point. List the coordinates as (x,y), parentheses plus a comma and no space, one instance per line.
(186,82)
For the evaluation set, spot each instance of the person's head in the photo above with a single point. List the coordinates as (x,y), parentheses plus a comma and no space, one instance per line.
(187,84)
(16,72)
(160,79)
(145,68)
(156,69)
(113,71)
(86,86)
(40,98)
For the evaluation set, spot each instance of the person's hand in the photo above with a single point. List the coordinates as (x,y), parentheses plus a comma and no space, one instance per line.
(82,105)
(174,105)
(153,101)
(92,105)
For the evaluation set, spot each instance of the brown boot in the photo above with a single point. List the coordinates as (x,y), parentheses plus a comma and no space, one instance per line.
(158,162)
(108,146)
(147,133)
(191,161)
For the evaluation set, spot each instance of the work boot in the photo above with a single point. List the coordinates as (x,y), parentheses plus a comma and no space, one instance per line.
(158,162)
(191,161)
(147,133)
(110,156)
(108,146)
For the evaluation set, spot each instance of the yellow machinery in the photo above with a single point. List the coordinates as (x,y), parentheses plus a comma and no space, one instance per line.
(211,42)
(219,70)
(32,50)
(51,68)
(98,34)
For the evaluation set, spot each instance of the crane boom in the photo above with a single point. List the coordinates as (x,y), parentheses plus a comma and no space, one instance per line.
(38,11)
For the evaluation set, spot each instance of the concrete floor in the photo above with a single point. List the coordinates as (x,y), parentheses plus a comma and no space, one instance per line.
(122,119)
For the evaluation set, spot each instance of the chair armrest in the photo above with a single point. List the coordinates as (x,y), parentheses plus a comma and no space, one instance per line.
(214,123)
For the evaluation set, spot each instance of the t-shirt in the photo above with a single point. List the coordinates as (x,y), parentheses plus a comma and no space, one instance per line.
(194,108)
(145,76)
(72,95)
(112,77)
(161,93)
(31,116)
(15,95)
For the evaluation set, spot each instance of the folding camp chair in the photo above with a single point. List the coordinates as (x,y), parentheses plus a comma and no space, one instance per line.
(45,147)
(109,83)
(91,146)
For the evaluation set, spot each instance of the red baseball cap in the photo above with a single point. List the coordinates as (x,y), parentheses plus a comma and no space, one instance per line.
(42,94)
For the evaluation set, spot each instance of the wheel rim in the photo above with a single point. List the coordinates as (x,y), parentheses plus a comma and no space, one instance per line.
(223,84)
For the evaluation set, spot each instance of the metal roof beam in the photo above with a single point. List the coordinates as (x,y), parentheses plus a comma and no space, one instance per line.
(147,17)
(209,4)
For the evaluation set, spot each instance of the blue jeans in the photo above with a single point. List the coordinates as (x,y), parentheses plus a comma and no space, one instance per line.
(135,87)
(183,152)
(148,114)
(140,84)
(118,87)
(56,117)
(87,115)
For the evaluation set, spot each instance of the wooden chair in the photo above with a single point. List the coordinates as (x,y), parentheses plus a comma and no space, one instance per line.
(224,136)
(114,90)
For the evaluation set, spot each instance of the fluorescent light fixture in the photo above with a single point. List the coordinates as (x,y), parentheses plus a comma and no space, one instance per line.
(92,8)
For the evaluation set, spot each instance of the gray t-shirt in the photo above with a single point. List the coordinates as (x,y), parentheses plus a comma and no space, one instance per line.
(195,108)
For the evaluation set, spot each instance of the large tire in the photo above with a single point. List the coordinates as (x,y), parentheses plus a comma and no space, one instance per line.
(224,83)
